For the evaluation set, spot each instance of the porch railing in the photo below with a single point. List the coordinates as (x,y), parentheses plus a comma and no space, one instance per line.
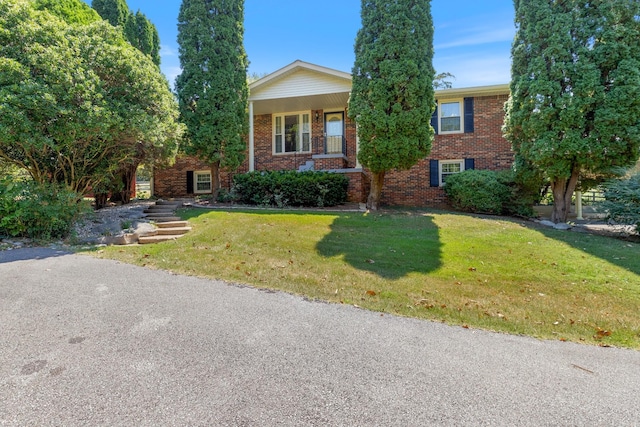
(330,145)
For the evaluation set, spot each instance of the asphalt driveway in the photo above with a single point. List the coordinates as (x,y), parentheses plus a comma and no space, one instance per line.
(94,342)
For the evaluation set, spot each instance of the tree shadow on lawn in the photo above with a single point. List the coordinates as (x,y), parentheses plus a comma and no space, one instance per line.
(388,245)
(615,249)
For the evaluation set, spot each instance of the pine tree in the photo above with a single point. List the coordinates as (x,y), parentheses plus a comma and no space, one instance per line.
(212,88)
(575,91)
(392,96)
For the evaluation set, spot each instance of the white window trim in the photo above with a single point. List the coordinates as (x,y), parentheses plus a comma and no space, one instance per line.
(450,101)
(273,133)
(195,182)
(448,162)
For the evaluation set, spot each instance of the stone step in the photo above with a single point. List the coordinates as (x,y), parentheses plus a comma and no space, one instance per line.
(153,209)
(171,224)
(159,214)
(159,219)
(172,231)
(168,203)
(157,239)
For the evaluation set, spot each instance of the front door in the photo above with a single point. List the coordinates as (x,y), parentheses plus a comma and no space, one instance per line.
(334,132)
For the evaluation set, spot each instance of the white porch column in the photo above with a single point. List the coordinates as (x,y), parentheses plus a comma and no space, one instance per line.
(579,205)
(251,142)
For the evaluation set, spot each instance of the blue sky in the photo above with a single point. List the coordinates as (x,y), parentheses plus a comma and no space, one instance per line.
(472,38)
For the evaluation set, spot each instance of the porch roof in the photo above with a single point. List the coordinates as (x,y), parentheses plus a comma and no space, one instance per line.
(300,86)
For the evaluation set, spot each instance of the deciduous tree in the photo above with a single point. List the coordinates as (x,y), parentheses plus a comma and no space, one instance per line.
(212,88)
(77,102)
(575,91)
(392,96)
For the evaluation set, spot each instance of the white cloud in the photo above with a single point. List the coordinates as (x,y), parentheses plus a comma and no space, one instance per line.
(475,36)
(167,51)
(171,72)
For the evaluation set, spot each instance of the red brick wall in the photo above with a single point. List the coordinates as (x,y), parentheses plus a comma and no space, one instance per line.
(263,145)
(403,188)
(486,145)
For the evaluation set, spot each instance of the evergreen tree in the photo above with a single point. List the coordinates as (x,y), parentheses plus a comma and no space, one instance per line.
(575,91)
(137,29)
(392,98)
(114,11)
(212,88)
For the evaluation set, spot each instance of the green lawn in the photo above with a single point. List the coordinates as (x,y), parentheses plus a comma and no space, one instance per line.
(491,273)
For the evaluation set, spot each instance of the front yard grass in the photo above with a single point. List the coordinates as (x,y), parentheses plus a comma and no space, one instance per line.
(478,272)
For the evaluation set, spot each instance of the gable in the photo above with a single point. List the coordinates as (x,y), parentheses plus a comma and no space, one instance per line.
(301,82)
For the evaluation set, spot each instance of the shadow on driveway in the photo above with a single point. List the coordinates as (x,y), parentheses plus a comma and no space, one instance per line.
(23,254)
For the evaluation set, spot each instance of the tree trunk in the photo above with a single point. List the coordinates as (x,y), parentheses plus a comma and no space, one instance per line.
(101,200)
(122,193)
(373,201)
(562,192)
(215,179)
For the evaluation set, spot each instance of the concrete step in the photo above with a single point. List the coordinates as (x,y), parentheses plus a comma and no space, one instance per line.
(172,231)
(171,224)
(157,239)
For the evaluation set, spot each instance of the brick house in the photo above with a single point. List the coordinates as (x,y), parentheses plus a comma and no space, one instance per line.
(299,121)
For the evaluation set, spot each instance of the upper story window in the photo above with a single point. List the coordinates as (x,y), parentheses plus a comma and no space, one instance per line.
(453,116)
(292,133)
(450,116)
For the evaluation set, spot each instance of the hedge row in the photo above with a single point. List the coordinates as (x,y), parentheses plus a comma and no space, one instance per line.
(291,188)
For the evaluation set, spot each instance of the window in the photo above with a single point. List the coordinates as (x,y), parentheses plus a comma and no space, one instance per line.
(454,116)
(292,133)
(449,167)
(450,116)
(202,182)
(439,170)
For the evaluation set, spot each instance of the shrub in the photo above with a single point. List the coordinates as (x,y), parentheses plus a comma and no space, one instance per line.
(492,192)
(28,209)
(291,188)
(524,193)
(477,191)
(622,200)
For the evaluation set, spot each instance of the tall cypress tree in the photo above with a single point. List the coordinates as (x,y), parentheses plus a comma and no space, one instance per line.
(114,11)
(575,90)
(212,88)
(392,97)
(137,29)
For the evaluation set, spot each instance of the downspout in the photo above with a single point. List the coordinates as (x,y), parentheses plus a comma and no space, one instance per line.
(251,142)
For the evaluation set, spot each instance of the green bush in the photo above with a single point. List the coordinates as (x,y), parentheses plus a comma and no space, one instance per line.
(28,209)
(291,188)
(622,200)
(478,191)
(492,192)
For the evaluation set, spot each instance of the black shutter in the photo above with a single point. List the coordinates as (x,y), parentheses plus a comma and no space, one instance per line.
(434,120)
(434,173)
(189,182)
(468,115)
(469,164)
